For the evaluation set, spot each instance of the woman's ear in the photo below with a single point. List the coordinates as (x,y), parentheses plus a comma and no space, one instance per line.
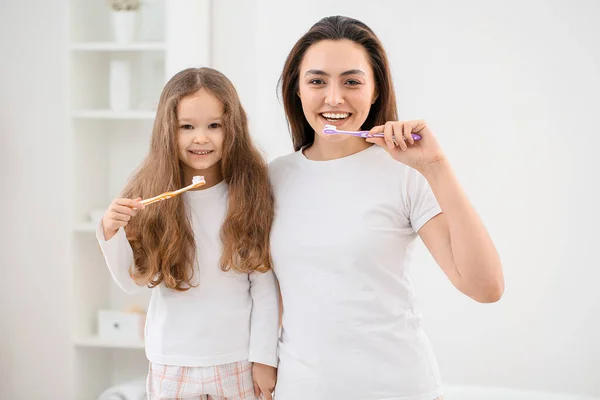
(375,97)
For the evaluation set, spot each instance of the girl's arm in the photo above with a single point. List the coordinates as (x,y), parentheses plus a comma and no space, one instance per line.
(119,259)
(264,322)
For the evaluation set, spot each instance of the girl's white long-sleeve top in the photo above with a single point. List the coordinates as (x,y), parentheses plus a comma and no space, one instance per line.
(228,317)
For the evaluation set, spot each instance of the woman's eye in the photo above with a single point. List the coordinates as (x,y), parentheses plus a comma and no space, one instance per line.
(186,127)
(352,82)
(316,81)
(214,125)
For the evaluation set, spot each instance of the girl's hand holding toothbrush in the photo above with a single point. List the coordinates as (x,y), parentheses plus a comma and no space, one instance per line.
(121,210)
(118,215)
(399,142)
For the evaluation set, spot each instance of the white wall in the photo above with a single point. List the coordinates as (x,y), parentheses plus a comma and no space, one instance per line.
(35,352)
(511,90)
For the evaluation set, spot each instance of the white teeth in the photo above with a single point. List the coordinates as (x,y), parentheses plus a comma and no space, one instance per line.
(335,115)
(202,152)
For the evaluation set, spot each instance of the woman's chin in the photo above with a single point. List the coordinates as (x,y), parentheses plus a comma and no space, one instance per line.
(334,138)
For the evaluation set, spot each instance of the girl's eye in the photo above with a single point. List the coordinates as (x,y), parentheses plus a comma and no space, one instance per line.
(187,127)
(352,82)
(316,81)
(214,125)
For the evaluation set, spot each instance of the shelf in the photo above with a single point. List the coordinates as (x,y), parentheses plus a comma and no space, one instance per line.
(85,227)
(112,46)
(95,341)
(110,114)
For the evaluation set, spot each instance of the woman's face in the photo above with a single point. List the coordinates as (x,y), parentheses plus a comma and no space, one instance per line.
(336,86)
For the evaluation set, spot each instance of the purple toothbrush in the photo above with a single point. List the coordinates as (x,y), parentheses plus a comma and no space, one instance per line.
(331,130)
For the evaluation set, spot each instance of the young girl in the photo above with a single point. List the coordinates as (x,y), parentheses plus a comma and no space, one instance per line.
(348,213)
(212,322)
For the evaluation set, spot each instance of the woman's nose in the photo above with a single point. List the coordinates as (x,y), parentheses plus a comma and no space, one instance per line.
(334,95)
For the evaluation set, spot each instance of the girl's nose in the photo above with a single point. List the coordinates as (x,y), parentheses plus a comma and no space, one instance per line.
(200,137)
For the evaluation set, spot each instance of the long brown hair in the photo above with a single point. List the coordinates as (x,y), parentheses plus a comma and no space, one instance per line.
(336,28)
(161,235)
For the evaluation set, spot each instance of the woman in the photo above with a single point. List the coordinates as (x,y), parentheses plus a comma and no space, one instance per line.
(347,213)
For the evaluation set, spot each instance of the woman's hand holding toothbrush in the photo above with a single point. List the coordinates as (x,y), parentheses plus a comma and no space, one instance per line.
(399,141)
(118,215)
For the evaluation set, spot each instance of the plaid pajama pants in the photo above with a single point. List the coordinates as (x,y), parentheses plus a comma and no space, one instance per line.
(222,382)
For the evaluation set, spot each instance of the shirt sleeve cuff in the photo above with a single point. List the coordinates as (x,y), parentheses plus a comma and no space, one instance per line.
(266,359)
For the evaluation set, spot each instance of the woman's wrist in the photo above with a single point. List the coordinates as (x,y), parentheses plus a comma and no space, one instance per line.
(434,170)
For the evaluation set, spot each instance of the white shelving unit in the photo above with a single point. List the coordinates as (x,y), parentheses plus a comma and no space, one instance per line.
(108,145)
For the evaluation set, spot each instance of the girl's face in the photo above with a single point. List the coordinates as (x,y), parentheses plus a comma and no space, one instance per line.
(336,86)
(200,134)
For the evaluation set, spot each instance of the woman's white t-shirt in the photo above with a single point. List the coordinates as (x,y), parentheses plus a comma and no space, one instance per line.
(341,246)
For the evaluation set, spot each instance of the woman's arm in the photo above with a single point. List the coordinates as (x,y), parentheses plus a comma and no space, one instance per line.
(458,240)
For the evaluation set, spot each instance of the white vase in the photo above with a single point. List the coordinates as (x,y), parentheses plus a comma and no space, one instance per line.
(120,85)
(124,26)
